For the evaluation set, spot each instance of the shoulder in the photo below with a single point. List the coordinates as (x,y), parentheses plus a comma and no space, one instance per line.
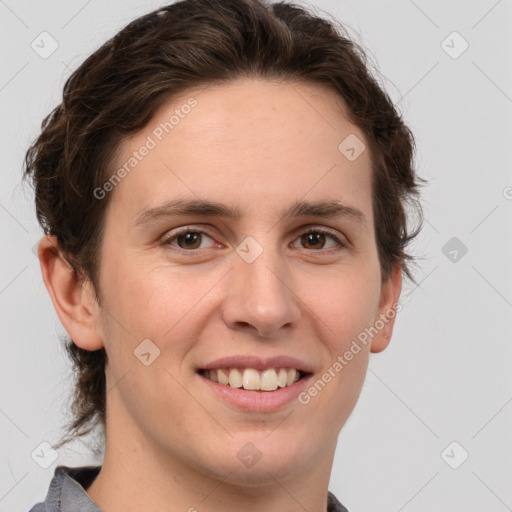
(39,507)
(66,492)
(333,505)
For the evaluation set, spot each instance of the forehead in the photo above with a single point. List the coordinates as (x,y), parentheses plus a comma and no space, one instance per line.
(255,141)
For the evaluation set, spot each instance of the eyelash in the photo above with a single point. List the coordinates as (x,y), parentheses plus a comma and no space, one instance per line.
(341,245)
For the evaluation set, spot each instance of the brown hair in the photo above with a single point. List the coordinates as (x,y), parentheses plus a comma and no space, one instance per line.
(159,55)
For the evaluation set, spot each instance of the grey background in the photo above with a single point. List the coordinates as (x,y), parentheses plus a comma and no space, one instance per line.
(446,375)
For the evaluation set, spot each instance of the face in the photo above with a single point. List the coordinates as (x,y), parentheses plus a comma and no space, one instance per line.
(271,287)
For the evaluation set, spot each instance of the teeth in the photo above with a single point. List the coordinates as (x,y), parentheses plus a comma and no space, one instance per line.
(268,380)
(222,376)
(292,374)
(282,378)
(251,379)
(235,378)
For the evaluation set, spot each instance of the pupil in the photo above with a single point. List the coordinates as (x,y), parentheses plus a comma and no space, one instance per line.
(190,238)
(314,238)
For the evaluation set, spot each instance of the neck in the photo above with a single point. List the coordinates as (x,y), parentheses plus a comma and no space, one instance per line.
(140,472)
(135,489)
(135,477)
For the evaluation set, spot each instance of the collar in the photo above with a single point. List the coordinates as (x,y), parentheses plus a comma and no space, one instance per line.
(67,492)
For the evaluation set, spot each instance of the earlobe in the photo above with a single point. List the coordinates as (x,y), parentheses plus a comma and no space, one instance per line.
(72,297)
(385,319)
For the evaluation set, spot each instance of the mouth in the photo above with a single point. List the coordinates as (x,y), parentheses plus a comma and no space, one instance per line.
(252,379)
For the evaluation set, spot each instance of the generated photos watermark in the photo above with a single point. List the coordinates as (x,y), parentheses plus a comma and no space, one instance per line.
(343,360)
(151,142)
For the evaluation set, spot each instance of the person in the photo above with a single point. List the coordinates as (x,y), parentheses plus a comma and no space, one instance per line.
(223,192)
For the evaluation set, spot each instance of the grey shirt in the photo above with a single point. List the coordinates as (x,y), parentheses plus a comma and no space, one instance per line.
(67,492)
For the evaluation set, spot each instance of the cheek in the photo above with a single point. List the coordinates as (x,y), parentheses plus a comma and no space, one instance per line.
(345,307)
(346,303)
(163,303)
(143,295)
(344,313)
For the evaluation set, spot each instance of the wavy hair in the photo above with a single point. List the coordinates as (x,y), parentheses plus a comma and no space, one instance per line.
(118,88)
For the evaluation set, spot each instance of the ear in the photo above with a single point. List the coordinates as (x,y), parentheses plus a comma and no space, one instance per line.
(390,293)
(73,298)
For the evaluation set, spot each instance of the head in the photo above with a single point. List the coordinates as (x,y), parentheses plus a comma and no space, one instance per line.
(255,107)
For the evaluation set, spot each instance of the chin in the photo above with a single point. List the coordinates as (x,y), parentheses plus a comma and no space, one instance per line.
(249,460)
(263,473)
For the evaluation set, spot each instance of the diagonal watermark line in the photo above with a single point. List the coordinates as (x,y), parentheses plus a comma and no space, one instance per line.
(286,491)
(424,14)
(12,280)
(492,211)
(418,82)
(410,409)
(108,313)
(304,195)
(491,286)
(14,218)
(194,305)
(332,332)
(501,409)
(75,15)
(279,424)
(12,12)
(422,281)
(509,508)
(10,469)
(491,80)
(405,504)
(5,495)
(13,423)
(67,67)
(486,14)
(316,110)
(215,488)
(432,226)
(14,76)
(170,170)
(198,402)
(118,381)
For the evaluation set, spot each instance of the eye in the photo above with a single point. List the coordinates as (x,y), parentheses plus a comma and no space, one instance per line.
(187,239)
(194,240)
(316,239)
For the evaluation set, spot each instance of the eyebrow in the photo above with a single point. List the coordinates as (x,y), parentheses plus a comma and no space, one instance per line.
(177,207)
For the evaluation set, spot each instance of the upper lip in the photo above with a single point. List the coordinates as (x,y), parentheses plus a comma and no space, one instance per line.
(258,363)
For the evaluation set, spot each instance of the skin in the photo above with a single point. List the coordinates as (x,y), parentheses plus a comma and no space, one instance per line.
(170,445)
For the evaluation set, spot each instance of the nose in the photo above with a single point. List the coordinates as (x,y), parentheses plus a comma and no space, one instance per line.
(260,297)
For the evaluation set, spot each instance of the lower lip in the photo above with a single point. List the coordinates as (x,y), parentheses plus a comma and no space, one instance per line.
(257,401)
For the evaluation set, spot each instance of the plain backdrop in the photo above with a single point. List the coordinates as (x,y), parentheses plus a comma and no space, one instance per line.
(432,429)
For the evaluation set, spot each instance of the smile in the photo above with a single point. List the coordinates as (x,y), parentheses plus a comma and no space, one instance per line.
(251,379)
